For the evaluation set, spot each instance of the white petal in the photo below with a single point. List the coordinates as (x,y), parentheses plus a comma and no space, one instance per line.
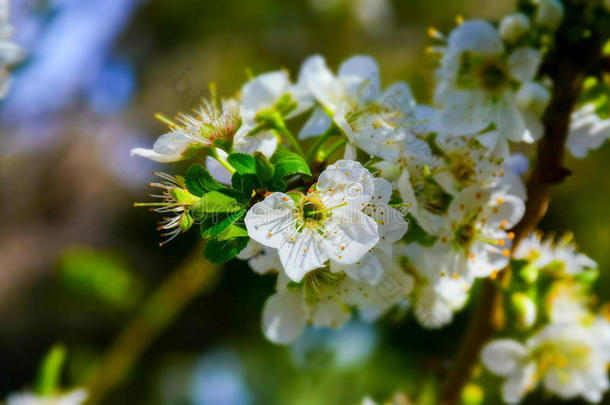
(398,97)
(351,236)
(157,157)
(263,92)
(510,208)
(475,35)
(524,62)
(347,179)
(360,74)
(325,87)
(264,142)
(519,384)
(503,357)
(317,124)
(218,171)
(464,111)
(368,269)
(267,260)
(431,310)
(303,254)
(284,316)
(270,222)
(252,249)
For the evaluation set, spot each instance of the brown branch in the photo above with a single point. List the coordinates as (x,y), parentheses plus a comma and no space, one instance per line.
(567,68)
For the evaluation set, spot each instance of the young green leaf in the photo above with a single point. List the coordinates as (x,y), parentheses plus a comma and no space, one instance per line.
(244,164)
(243,182)
(232,232)
(220,251)
(288,164)
(199,181)
(219,202)
(214,225)
(264,168)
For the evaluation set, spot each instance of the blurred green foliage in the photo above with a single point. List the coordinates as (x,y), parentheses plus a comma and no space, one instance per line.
(96,275)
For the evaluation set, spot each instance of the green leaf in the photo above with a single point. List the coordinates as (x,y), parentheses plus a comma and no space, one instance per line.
(220,251)
(244,183)
(49,373)
(264,168)
(199,181)
(276,185)
(243,163)
(287,164)
(234,231)
(218,202)
(214,225)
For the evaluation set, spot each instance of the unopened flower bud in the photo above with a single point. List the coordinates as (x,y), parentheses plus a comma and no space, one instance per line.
(513,26)
(549,14)
(525,309)
(534,97)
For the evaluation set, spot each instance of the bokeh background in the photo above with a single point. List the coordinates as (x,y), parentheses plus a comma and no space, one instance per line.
(77,260)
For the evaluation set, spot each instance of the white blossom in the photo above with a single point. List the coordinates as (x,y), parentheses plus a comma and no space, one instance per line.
(326,223)
(262,259)
(561,255)
(391,227)
(210,123)
(569,359)
(353,100)
(321,299)
(476,81)
(436,295)
(475,238)
(587,131)
(264,93)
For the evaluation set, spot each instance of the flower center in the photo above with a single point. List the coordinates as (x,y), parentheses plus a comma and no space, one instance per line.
(313,211)
(431,196)
(492,75)
(465,234)
(316,281)
(463,170)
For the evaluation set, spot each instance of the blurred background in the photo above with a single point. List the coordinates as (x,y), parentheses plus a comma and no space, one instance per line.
(76,259)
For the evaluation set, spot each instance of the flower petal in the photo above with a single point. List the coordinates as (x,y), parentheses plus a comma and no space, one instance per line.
(284,316)
(503,357)
(317,124)
(270,222)
(360,74)
(524,62)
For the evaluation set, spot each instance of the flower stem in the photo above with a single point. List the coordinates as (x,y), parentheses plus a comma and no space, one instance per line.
(278,125)
(222,161)
(567,67)
(334,147)
(192,277)
(331,131)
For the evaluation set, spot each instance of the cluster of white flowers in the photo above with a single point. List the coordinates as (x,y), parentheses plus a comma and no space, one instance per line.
(9,52)
(420,205)
(569,352)
(341,243)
